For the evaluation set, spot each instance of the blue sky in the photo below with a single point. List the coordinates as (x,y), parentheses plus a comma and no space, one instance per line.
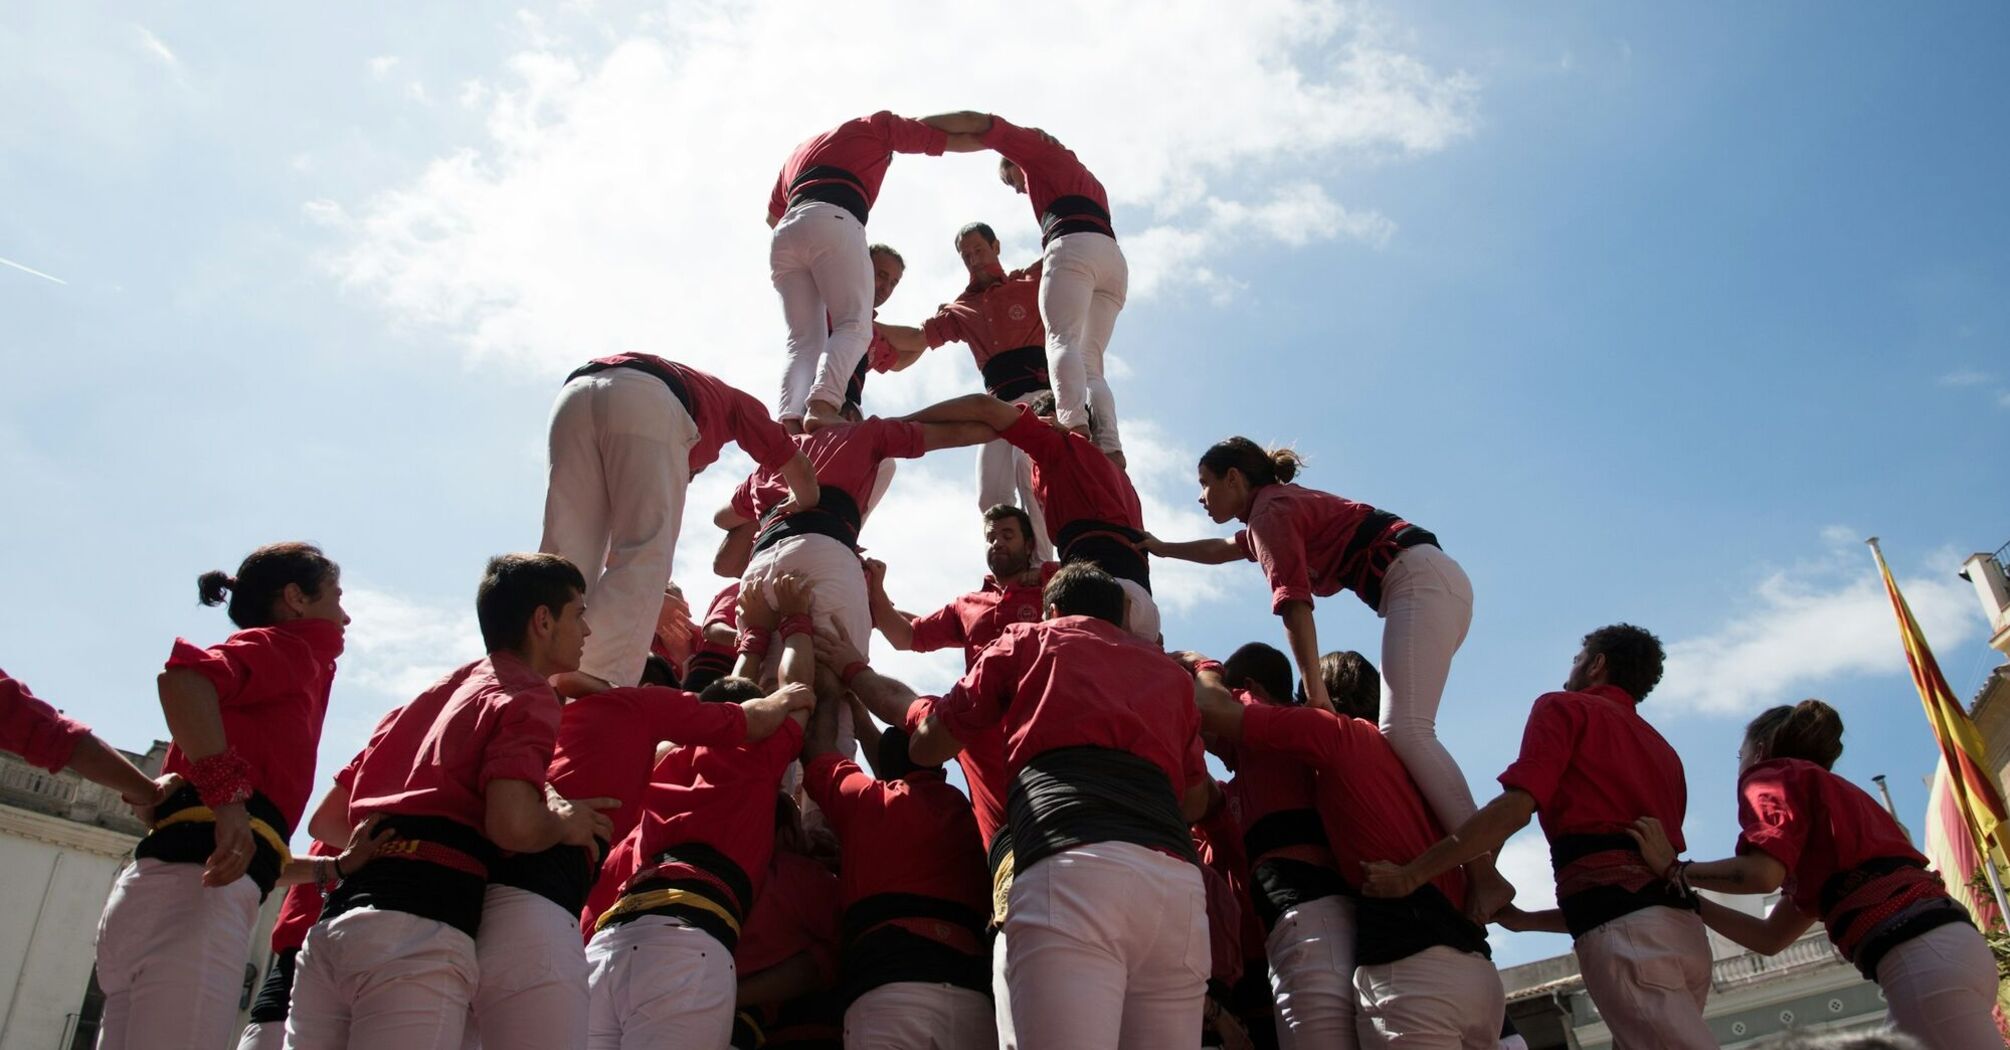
(1651,316)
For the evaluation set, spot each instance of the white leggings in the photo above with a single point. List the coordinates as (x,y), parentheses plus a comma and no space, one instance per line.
(171,956)
(370,979)
(1005,475)
(820,266)
(1083,283)
(1311,975)
(1940,986)
(1428,604)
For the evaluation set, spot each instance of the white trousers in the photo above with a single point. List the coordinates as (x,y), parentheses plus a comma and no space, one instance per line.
(267,1035)
(838,603)
(1648,972)
(532,994)
(1005,475)
(657,983)
(368,979)
(171,956)
(620,464)
(1083,283)
(1107,947)
(1142,616)
(1427,602)
(1311,955)
(820,266)
(910,1015)
(1940,986)
(1438,999)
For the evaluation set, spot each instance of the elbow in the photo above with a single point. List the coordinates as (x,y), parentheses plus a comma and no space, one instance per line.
(516,832)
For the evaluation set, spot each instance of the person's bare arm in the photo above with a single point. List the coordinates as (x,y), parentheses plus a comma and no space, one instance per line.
(100,763)
(736,547)
(331,818)
(523,817)
(961,122)
(906,340)
(1205,552)
(865,730)
(1752,872)
(956,435)
(889,698)
(969,408)
(195,721)
(1515,920)
(1767,936)
(1482,833)
(821,734)
(1301,632)
(895,626)
(363,843)
(802,479)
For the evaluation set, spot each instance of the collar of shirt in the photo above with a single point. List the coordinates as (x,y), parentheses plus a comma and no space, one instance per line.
(1613,692)
(325,637)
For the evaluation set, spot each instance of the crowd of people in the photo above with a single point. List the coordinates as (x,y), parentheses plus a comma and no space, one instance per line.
(625,826)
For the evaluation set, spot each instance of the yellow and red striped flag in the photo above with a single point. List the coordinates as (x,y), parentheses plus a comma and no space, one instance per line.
(1969,780)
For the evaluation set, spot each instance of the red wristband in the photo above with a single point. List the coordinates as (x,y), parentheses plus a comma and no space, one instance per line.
(1207,665)
(853,670)
(796,623)
(221,779)
(755,642)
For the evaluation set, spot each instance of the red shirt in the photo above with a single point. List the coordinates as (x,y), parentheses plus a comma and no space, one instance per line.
(1072,478)
(725,607)
(796,911)
(1367,801)
(301,908)
(34,730)
(1305,541)
(1005,316)
(493,719)
(723,413)
(607,743)
(1072,682)
(723,797)
(863,146)
(1217,837)
(912,835)
(1815,823)
(1052,170)
(846,457)
(1267,783)
(1594,766)
(272,691)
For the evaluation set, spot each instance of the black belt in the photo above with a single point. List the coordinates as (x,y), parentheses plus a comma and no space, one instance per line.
(711,899)
(1587,910)
(836,515)
(831,185)
(669,378)
(1012,374)
(1389,930)
(563,875)
(184,832)
(432,867)
(884,942)
(1074,214)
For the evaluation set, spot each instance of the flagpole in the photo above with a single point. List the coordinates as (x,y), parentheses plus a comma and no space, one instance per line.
(1982,845)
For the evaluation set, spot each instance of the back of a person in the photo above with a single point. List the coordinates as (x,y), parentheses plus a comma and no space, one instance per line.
(1642,778)
(1846,828)
(1080,655)
(444,728)
(1334,530)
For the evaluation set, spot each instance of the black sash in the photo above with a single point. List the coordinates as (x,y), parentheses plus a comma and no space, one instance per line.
(431,867)
(831,185)
(1012,374)
(1074,796)
(563,875)
(185,833)
(1283,884)
(1111,548)
(1390,930)
(877,952)
(1074,214)
(720,880)
(1586,910)
(836,515)
(669,378)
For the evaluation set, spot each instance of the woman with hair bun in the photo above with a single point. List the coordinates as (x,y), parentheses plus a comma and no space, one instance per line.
(1315,543)
(245,716)
(1841,858)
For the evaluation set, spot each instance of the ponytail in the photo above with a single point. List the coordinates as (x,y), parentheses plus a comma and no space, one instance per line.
(1810,731)
(1260,466)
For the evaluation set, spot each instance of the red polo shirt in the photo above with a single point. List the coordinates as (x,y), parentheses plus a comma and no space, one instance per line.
(863,147)
(272,691)
(1370,806)
(795,911)
(846,457)
(1052,170)
(1072,682)
(607,742)
(1072,478)
(723,413)
(912,835)
(34,730)
(1594,766)
(1004,316)
(723,797)
(493,719)
(1267,784)
(1815,823)
(1305,541)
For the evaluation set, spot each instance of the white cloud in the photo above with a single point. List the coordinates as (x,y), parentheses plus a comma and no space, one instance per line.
(1524,861)
(153,46)
(381,66)
(1812,624)
(2003,399)
(1966,377)
(397,646)
(416,91)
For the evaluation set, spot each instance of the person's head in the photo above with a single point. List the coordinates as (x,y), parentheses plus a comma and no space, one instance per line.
(1010,175)
(977,246)
(1081,589)
(731,690)
(534,605)
(658,671)
(1262,670)
(1008,541)
(1620,655)
(891,761)
(1232,471)
(887,268)
(276,583)
(1810,731)
(1353,684)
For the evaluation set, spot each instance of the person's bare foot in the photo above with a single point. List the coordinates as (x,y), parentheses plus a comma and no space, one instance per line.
(575,684)
(1489,891)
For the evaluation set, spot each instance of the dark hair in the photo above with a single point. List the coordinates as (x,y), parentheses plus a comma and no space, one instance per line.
(261,579)
(658,671)
(1007,510)
(1043,404)
(886,250)
(1353,684)
(1258,464)
(1810,731)
(1262,665)
(731,690)
(1632,657)
(1081,589)
(514,587)
(891,761)
(975,227)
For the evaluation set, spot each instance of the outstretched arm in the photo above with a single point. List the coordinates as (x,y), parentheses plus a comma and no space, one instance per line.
(955,435)
(970,408)
(1482,833)
(1751,872)
(1768,936)
(1206,552)
(962,122)
(896,626)
(907,342)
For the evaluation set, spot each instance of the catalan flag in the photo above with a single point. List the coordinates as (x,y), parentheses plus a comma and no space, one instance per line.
(1968,778)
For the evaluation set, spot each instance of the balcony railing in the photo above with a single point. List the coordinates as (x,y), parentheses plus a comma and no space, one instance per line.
(1813,949)
(65,795)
